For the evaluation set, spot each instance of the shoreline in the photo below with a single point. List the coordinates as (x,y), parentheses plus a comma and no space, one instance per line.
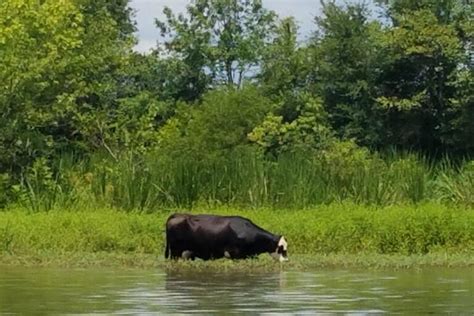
(261,264)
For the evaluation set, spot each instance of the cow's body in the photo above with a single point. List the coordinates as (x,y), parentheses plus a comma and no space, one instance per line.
(213,237)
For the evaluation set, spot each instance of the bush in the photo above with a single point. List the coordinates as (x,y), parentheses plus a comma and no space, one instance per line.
(218,125)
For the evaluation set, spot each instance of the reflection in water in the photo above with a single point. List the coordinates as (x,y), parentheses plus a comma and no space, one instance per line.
(437,291)
(223,292)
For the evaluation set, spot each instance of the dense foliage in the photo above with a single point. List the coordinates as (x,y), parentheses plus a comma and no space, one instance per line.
(232,108)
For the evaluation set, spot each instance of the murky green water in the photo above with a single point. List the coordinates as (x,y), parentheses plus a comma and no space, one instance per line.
(73,291)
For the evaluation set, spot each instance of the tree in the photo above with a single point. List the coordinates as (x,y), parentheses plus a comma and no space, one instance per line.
(161,77)
(57,68)
(348,58)
(220,41)
(446,11)
(35,39)
(425,55)
(218,125)
(309,132)
(460,125)
(119,11)
(286,71)
(461,119)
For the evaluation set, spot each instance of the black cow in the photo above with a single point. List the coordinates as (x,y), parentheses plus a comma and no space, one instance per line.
(213,237)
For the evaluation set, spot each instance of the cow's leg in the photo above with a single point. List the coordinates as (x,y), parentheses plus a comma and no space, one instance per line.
(232,253)
(186,254)
(175,253)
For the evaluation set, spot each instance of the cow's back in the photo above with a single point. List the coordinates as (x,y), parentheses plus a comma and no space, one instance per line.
(176,220)
(244,229)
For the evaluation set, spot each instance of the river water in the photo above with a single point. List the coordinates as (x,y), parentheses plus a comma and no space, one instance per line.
(29,291)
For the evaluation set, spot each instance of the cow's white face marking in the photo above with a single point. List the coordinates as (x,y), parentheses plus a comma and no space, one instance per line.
(226,254)
(186,254)
(280,252)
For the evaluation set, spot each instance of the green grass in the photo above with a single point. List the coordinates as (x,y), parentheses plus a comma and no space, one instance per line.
(338,234)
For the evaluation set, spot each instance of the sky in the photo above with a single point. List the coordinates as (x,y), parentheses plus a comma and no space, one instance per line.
(147,10)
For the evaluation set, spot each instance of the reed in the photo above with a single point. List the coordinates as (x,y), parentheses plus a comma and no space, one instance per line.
(245,178)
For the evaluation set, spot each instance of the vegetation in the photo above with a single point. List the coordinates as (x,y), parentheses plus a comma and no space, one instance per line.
(345,228)
(325,231)
(232,111)
(342,173)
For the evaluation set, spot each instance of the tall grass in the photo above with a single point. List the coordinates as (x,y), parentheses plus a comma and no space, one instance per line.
(246,179)
(456,184)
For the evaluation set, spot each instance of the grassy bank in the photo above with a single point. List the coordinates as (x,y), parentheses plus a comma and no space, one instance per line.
(263,263)
(338,234)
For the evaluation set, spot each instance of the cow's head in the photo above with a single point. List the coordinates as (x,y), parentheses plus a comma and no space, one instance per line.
(281,251)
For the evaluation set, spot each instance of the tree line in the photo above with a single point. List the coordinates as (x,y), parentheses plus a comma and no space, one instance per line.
(229,76)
